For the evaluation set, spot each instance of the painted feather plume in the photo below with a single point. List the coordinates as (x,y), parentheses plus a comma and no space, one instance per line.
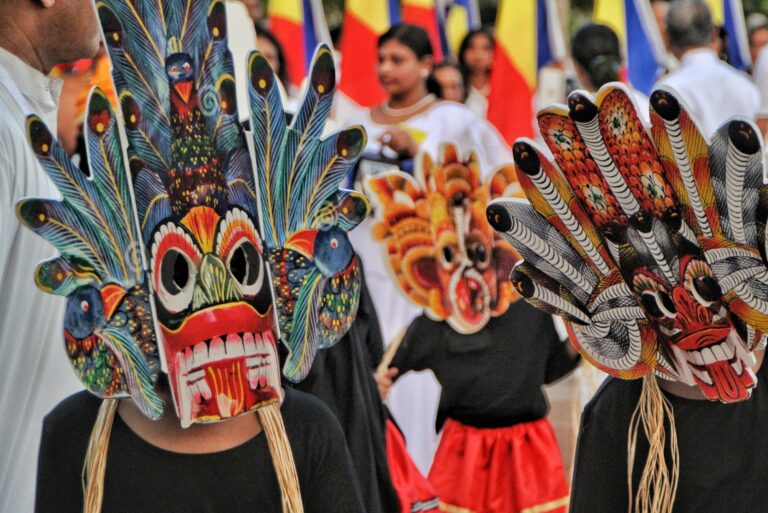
(305,215)
(142,38)
(110,338)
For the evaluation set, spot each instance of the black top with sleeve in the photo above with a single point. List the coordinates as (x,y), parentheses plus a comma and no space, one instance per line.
(491,378)
(143,477)
(723,451)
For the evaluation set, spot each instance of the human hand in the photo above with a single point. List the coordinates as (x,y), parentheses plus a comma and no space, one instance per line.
(384,380)
(400,141)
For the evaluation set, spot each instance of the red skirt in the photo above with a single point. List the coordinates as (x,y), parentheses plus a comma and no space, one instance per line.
(516,469)
(416,494)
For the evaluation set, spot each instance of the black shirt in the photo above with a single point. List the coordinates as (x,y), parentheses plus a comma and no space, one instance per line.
(723,450)
(491,378)
(143,478)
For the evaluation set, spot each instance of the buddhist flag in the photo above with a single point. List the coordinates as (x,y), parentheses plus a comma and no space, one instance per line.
(424,14)
(633,22)
(299,26)
(528,37)
(730,15)
(364,21)
(462,16)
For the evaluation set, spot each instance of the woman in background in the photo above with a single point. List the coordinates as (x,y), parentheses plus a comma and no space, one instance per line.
(412,118)
(476,62)
(597,60)
(450,82)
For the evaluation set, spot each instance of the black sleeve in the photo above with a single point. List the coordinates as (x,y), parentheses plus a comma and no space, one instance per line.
(416,350)
(560,362)
(374,341)
(61,456)
(600,465)
(332,483)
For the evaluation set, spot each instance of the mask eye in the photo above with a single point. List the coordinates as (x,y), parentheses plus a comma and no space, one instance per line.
(706,290)
(174,263)
(447,255)
(247,267)
(653,296)
(701,283)
(187,67)
(239,245)
(659,304)
(174,69)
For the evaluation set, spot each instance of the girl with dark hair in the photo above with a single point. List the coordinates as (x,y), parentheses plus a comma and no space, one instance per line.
(596,55)
(450,82)
(597,60)
(476,61)
(412,118)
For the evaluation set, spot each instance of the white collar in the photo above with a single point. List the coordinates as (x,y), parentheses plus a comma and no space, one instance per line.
(41,91)
(699,56)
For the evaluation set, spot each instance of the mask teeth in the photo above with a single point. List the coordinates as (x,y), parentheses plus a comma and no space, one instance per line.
(184,404)
(261,366)
(261,361)
(681,363)
(741,350)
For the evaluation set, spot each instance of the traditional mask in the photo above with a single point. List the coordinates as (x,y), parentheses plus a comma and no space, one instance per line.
(196,203)
(648,247)
(440,247)
(306,216)
(199,221)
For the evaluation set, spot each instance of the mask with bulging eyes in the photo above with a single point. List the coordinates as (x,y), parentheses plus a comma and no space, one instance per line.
(440,246)
(650,247)
(197,209)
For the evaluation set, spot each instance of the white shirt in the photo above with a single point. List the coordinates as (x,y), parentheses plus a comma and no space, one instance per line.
(760,75)
(713,91)
(36,373)
(477,101)
(445,122)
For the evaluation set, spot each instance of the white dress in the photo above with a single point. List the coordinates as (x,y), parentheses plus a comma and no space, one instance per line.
(413,399)
(36,372)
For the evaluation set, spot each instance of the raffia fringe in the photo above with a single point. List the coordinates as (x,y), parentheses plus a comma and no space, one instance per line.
(282,457)
(96,457)
(658,483)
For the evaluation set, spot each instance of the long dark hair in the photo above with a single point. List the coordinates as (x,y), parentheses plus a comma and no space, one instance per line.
(482,31)
(596,49)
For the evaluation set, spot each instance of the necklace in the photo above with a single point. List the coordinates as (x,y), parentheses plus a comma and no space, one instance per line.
(407,111)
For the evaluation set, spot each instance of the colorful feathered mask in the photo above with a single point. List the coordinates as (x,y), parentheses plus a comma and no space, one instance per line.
(440,247)
(196,261)
(650,246)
